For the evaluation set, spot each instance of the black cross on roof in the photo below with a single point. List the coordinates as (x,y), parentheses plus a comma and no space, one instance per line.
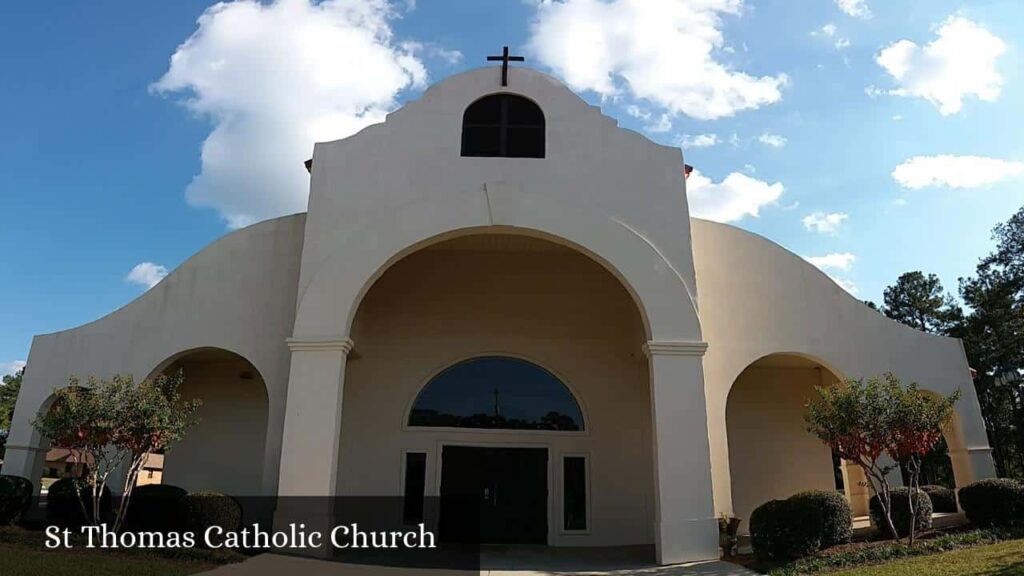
(505,59)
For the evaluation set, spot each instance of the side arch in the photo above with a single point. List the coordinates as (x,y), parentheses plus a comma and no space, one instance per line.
(227,450)
(770,454)
(329,300)
(957,450)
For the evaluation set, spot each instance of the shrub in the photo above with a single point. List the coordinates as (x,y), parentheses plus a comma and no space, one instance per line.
(943,499)
(773,534)
(201,510)
(154,508)
(15,496)
(64,509)
(832,514)
(800,525)
(901,512)
(994,502)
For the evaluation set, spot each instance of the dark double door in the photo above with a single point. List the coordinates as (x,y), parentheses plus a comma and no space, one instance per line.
(494,495)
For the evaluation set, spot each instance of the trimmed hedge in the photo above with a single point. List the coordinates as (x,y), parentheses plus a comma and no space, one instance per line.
(15,497)
(63,508)
(201,510)
(800,525)
(901,512)
(943,499)
(154,508)
(834,515)
(994,502)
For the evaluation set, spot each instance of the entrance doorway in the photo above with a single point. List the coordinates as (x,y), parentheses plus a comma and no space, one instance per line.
(494,495)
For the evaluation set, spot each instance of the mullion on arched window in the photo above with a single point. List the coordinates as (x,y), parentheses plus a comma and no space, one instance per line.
(503,125)
(497,392)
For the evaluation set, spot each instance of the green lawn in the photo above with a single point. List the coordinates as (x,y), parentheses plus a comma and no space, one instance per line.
(22,553)
(1003,559)
(24,561)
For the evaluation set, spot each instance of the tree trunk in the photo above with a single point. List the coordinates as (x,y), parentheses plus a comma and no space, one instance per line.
(884,496)
(129,485)
(914,471)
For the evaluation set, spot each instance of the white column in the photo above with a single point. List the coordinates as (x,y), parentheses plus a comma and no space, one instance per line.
(972,464)
(312,431)
(685,528)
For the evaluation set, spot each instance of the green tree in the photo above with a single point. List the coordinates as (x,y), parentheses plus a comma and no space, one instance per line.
(862,420)
(115,422)
(918,419)
(852,420)
(10,385)
(993,336)
(920,302)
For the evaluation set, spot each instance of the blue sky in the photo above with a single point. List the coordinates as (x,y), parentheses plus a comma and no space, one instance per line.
(871,137)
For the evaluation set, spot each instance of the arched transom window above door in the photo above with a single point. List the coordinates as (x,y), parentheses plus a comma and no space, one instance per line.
(503,125)
(497,392)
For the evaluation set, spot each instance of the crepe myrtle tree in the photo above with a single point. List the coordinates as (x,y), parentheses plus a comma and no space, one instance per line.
(918,421)
(116,422)
(862,420)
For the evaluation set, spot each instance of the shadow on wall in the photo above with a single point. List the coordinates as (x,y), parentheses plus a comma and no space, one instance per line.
(224,451)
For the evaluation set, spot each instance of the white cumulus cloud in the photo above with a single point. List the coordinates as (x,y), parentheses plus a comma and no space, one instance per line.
(667,53)
(274,78)
(833,261)
(735,197)
(12,367)
(146,274)
(960,62)
(831,32)
(828,31)
(825,223)
(662,124)
(773,140)
(954,171)
(855,8)
(698,140)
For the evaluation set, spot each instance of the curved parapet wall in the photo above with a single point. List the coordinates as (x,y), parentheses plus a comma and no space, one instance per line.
(237,294)
(757,298)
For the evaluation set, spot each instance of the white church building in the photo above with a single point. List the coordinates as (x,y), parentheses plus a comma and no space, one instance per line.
(499,292)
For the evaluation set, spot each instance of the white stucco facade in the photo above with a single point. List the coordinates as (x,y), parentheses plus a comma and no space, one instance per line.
(585,262)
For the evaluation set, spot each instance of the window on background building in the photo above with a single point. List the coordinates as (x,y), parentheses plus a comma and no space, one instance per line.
(503,125)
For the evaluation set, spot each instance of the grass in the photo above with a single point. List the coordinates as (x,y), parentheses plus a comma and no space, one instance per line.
(22,561)
(858,555)
(1003,559)
(22,553)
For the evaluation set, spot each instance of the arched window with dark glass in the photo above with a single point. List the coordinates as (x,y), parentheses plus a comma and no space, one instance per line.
(497,392)
(503,125)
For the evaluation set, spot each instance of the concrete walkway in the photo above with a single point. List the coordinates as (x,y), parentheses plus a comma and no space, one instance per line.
(495,561)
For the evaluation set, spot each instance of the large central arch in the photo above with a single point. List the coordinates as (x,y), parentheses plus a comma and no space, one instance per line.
(329,297)
(342,264)
(502,340)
